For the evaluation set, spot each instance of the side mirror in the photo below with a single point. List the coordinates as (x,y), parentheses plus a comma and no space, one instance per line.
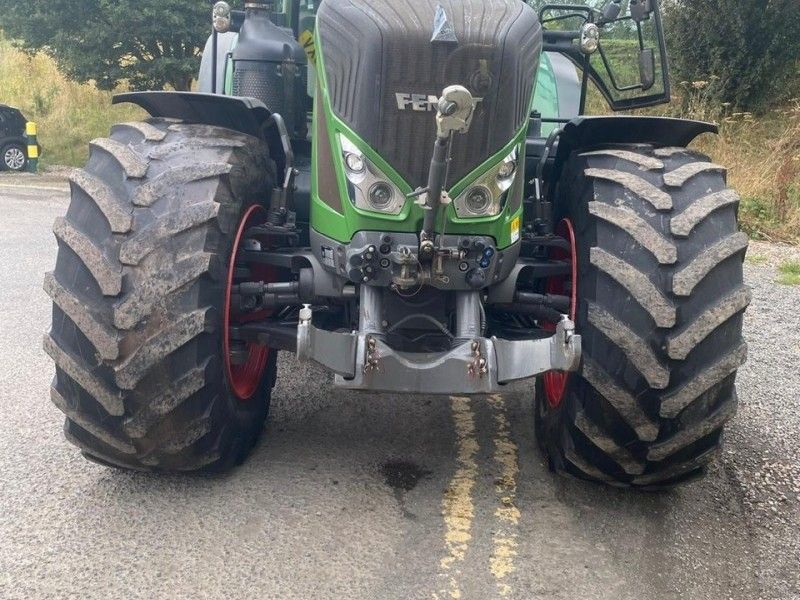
(611,12)
(647,68)
(641,10)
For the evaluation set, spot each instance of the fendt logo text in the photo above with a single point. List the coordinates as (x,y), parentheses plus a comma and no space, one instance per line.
(420,102)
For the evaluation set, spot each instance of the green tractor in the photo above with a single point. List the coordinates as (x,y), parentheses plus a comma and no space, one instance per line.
(407,193)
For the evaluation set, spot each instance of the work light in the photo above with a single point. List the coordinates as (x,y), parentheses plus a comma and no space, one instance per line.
(221,17)
(486,196)
(368,187)
(590,38)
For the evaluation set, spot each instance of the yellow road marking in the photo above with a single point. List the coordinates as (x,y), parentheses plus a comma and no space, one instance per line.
(458,508)
(505,537)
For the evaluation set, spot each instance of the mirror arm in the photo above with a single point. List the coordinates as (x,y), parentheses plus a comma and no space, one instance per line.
(573,7)
(641,36)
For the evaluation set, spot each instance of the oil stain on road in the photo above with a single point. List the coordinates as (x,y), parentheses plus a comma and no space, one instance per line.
(403,476)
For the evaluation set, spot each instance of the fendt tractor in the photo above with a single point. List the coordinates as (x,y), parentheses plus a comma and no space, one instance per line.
(407,193)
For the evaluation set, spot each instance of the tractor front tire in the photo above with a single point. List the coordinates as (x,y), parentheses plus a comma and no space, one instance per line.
(660,299)
(139,295)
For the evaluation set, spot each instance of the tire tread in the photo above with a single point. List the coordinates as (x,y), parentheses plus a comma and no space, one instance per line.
(662,334)
(138,373)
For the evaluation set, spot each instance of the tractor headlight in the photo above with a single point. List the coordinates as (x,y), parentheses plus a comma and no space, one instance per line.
(368,187)
(355,163)
(486,196)
(590,38)
(478,200)
(221,17)
(380,196)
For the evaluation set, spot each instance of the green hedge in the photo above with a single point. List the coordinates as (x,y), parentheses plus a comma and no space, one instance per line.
(749,48)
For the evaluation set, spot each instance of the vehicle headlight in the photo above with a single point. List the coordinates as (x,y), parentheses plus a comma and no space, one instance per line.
(368,187)
(486,196)
(478,200)
(590,38)
(221,17)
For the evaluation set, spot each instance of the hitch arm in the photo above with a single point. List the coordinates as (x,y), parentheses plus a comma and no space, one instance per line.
(453,115)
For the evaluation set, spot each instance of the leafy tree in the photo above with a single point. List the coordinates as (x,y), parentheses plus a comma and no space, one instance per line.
(751,46)
(149,43)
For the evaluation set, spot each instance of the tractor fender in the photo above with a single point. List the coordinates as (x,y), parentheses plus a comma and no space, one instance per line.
(246,115)
(584,133)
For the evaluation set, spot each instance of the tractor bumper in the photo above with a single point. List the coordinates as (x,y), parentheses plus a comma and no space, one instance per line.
(363,361)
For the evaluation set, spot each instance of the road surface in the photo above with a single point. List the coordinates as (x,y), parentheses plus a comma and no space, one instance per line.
(380,496)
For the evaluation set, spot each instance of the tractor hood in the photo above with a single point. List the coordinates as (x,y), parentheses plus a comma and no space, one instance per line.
(385,62)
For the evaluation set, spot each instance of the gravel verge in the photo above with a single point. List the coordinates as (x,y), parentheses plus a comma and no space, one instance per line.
(762,454)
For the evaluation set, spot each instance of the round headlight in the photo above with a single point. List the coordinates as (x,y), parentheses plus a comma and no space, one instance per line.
(380,195)
(590,38)
(478,200)
(506,169)
(355,162)
(221,17)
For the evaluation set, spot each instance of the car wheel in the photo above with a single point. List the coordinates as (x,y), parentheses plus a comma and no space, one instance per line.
(14,157)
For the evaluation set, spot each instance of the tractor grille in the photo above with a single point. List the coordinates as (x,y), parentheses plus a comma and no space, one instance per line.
(376,49)
(259,80)
(266,82)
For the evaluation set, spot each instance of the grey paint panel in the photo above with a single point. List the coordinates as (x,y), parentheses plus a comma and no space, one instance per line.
(225,43)
(568,83)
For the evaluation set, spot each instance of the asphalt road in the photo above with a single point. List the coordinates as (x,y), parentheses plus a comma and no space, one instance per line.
(346,496)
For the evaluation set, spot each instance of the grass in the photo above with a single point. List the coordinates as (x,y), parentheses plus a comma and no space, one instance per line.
(68,114)
(762,155)
(790,273)
(756,259)
(763,160)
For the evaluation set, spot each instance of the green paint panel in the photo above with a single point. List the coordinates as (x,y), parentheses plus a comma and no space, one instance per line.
(228,83)
(342,227)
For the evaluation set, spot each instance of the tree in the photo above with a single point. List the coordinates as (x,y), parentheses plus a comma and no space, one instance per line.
(149,43)
(751,46)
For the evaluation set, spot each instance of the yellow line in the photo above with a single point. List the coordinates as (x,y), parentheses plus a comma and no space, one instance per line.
(458,508)
(505,537)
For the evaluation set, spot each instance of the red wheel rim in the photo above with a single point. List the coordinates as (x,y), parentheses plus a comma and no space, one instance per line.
(244,378)
(555,382)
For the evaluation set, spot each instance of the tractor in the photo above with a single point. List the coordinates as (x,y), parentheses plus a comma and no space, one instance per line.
(410,194)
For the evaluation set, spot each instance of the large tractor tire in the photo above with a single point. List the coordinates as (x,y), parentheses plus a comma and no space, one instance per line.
(140,296)
(659,300)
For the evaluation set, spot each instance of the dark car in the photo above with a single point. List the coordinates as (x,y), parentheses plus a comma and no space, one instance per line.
(13,143)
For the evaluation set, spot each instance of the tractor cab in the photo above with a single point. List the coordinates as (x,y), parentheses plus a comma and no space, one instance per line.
(617,46)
